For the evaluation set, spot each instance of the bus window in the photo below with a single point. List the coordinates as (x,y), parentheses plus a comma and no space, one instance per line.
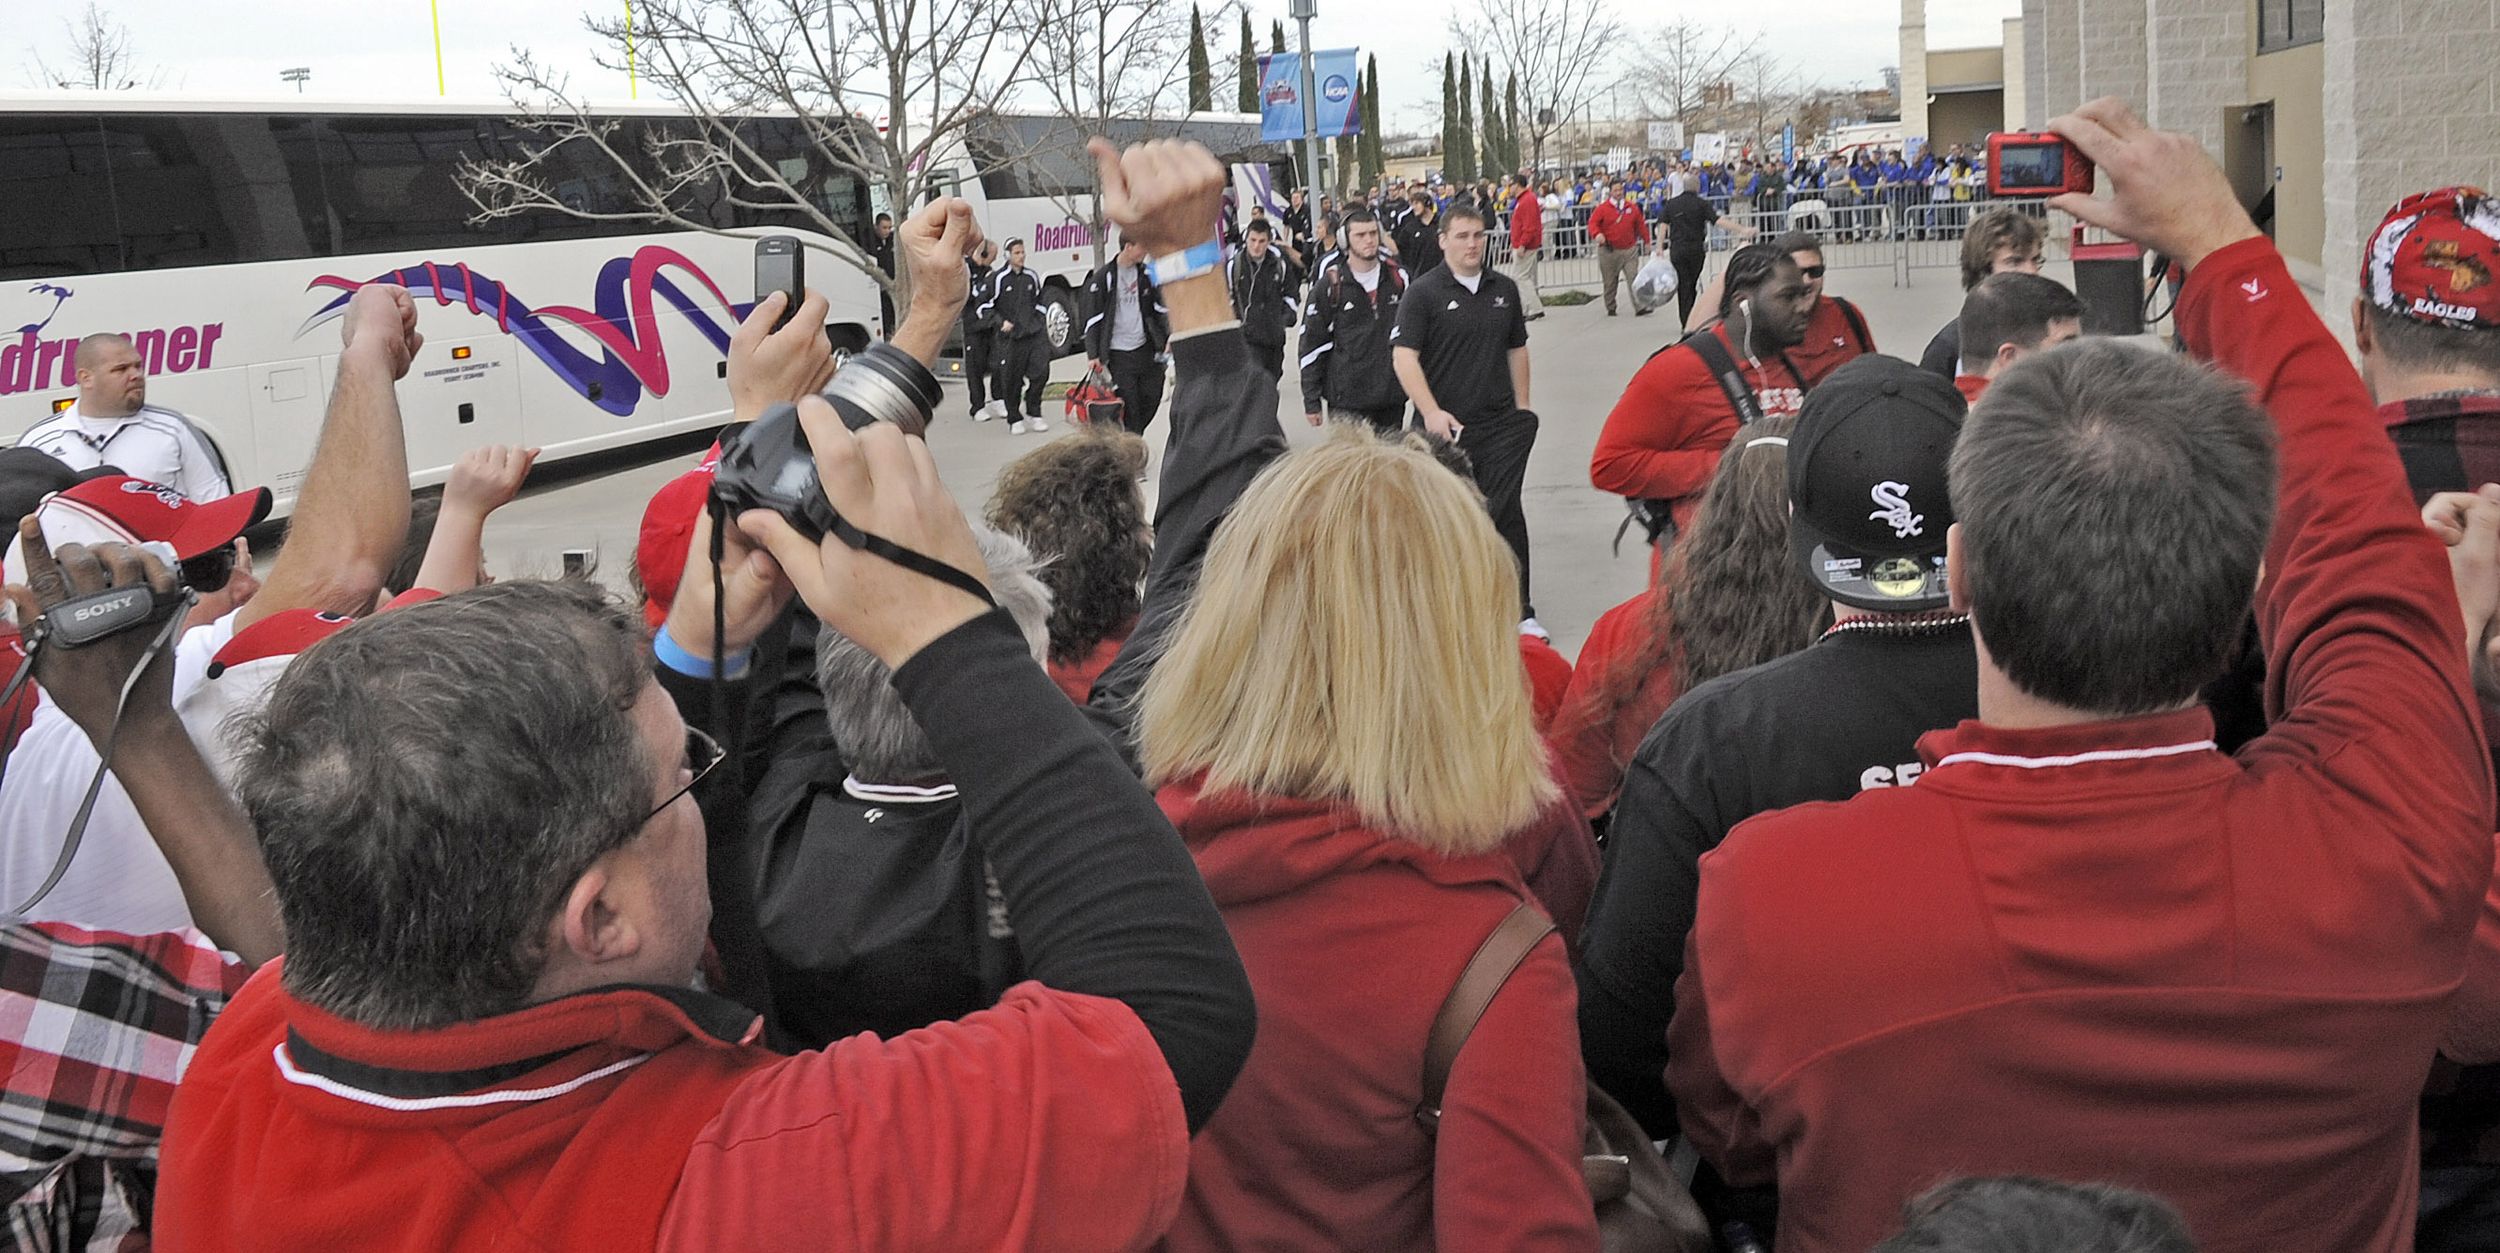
(56,200)
(168,175)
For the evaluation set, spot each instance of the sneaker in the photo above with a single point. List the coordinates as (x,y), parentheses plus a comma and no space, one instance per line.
(981,414)
(1610,313)
(997,409)
(1530,626)
(1036,423)
(1642,313)
(1016,427)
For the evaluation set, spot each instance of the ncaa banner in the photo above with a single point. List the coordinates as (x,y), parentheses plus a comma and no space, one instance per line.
(1280,94)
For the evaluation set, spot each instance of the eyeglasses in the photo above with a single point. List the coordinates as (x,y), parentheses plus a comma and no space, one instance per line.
(1812,271)
(703,754)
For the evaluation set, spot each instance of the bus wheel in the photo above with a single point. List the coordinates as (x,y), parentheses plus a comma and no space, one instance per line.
(1059,320)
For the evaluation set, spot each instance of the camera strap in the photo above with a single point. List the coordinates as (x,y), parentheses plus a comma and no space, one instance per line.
(917,563)
(104,752)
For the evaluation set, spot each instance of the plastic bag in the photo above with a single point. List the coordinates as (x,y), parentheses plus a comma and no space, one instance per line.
(1094,400)
(1654,286)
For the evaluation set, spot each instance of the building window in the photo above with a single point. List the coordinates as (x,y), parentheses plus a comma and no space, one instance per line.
(2285,24)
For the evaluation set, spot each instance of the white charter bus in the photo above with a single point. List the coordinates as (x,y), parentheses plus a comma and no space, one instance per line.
(224,237)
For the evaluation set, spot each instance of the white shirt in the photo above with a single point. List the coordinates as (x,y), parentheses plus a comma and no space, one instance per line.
(118,881)
(1128,323)
(155,444)
(1469,281)
(1370,279)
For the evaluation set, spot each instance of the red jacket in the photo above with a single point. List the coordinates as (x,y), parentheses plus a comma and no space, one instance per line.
(645,1118)
(1665,436)
(1618,225)
(1527,222)
(1353,940)
(1832,339)
(2107,951)
(1549,676)
(1076,678)
(1972,387)
(1595,739)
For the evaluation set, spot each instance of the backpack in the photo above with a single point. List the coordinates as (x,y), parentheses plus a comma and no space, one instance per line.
(1641,1206)
(1653,515)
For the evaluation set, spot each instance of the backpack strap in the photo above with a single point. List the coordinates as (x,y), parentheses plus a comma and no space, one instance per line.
(1857,325)
(1722,365)
(1501,953)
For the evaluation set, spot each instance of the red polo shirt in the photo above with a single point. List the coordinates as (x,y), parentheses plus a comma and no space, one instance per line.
(1618,225)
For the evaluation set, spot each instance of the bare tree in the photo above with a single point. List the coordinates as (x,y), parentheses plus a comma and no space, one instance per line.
(1109,67)
(1678,62)
(873,87)
(102,57)
(1561,53)
(1768,92)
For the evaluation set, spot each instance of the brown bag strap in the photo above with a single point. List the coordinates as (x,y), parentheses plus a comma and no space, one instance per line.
(1500,954)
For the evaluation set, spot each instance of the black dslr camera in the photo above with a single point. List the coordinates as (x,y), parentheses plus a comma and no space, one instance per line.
(769,465)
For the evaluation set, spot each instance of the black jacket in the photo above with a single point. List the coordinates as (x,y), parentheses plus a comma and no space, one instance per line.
(1345,339)
(978,314)
(1101,288)
(1016,296)
(1267,296)
(1418,241)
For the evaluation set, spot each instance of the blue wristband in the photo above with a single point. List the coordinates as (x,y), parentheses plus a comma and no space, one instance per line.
(674,656)
(1191,262)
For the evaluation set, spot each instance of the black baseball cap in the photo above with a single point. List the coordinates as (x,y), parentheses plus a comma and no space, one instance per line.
(27,476)
(1866,481)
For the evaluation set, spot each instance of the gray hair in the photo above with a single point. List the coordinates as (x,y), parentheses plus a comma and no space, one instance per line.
(2114,503)
(2017,1214)
(427,786)
(872,728)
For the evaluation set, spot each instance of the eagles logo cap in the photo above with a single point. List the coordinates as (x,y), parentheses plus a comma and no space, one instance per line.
(2435,258)
(1866,484)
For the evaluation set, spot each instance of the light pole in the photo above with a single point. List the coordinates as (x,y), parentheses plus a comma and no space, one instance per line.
(296,76)
(1303,12)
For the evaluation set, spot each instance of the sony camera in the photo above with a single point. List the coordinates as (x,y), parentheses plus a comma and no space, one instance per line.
(100,615)
(769,465)
(2026,163)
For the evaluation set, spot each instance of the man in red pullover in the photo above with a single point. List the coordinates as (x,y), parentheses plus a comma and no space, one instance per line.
(2087,944)
(1527,242)
(1662,442)
(1622,235)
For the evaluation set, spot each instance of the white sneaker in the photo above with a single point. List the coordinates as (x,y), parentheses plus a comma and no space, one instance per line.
(1016,427)
(1530,626)
(1036,423)
(997,409)
(982,414)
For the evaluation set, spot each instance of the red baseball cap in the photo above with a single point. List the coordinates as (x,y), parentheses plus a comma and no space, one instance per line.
(667,531)
(119,509)
(2435,258)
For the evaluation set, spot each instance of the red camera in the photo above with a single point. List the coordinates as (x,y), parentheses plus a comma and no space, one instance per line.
(2022,163)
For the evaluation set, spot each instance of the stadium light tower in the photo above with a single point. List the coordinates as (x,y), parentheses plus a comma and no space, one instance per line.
(296,76)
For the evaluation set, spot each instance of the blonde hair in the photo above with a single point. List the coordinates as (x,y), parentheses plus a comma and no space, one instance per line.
(1351,641)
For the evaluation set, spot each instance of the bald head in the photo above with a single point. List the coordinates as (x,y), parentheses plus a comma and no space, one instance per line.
(112,378)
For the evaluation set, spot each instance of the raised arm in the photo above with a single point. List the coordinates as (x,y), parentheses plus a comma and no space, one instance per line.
(352,515)
(483,480)
(193,819)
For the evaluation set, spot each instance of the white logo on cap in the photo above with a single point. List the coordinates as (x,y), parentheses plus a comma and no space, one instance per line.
(1892,503)
(171,498)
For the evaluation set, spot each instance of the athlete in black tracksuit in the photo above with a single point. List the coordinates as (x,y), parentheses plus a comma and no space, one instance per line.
(1345,345)
(1267,296)
(1016,298)
(1136,372)
(980,335)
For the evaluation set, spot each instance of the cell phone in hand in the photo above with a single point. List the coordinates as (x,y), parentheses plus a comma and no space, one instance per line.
(781,266)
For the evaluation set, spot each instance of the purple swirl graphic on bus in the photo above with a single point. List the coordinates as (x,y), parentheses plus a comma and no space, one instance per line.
(623,319)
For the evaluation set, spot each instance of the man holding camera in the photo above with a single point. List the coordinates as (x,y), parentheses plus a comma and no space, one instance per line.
(2137,959)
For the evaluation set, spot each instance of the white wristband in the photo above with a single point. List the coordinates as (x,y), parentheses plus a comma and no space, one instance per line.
(1172,267)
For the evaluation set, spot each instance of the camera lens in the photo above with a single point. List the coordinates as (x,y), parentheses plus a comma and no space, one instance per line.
(884,384)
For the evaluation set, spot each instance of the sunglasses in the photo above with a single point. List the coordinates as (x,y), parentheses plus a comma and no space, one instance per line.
(209,571)
(703,755)
(1812,271)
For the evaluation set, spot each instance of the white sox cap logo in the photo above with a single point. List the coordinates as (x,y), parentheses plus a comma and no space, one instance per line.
(1892,503)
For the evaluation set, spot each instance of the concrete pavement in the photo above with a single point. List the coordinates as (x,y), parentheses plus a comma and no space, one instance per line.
(1581,361)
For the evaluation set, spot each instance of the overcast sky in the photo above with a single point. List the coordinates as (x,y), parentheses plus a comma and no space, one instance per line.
(383,49)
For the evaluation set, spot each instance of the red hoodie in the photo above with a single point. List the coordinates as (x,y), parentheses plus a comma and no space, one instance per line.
(1353,940)
(2107,951)
(1664,438)
(1596,742)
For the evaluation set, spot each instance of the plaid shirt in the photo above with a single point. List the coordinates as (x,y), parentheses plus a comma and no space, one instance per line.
(2449,443)
(95,1029)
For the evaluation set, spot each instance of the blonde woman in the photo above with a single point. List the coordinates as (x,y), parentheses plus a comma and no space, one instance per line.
(1341,731)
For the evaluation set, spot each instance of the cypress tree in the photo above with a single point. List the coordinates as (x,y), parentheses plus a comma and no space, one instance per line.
(1201,71)
(1449,116)
(1513,152)
(1492,116)
(1276,37)
(1373,163)
(1246,74)
(1463,161)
